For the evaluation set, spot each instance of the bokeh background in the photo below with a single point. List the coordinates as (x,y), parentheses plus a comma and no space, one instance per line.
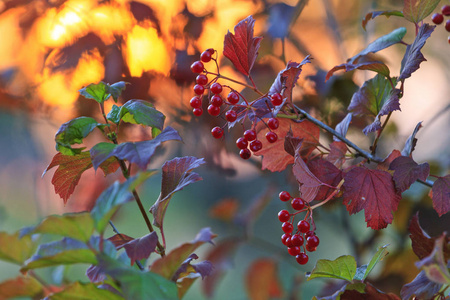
(51,49)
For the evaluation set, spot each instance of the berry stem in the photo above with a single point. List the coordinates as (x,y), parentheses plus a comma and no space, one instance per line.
(238,82)
(337,189)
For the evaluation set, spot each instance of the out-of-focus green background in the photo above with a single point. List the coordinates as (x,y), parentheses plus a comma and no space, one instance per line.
(51,49)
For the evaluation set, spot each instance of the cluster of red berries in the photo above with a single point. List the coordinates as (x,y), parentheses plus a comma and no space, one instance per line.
(438,18)
(302,239)
(247,143)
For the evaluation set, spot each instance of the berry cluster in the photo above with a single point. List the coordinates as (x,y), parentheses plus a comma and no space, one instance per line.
(438,18)
(249,141)
(302,239)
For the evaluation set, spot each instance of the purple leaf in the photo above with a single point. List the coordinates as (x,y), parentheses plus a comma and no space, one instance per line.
(204,268)
(95,274)
(407,171)
(291,143)
(141,248)
(411,142)
(434,265)
(392,103)
(241,47)
(376,66)
(376,125)
(260,108)
(413,57)
(441,195)
(421,287)
(342,127)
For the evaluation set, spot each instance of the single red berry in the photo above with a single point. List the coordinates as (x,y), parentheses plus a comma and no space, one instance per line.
(197,111)
(217,132)
(250,135)
(445,10)
(309,233)
(312,241)
(302,258)
(205,56)
(271,137)
(447,25)
(284,196)
(298,203)
(216,88)
(297,240)
(256,145)
(273,123)
(294,251)
(233,97)
(231,116)
(310,248)
(199,89)
(289,242)
(211,50)
(216,100)
(437,18)
(284,237)
(287,227)
(213,110)
(197,67)
(276,99)
(196,102)
(241,143)
(245,153)
(283,215)
(201,79)
(303,226)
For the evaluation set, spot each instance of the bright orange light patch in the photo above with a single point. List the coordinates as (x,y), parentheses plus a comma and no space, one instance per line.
(90,69)
(55,91)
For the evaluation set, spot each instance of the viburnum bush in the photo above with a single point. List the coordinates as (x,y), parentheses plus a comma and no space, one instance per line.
(271,125)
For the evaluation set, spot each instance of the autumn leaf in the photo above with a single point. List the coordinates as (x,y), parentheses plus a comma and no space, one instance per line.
(262,281)
(435,265)
(374,14)
(440,193)
(384,165)
(119,240)
(225,209)
(142,247)
(417,10)
(411,141)
(21,286)
(337,153)
(342,127)
(421,287)
(328,174)
(407,171)
(376,66)
(241,47)
(373,191)
(275,158)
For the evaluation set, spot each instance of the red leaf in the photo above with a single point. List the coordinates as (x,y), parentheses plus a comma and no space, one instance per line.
(262,280)
(440,193)
(120,239)
(337,153)
(141,248)
(241,47)
(275,158)
(384,165)
(370,292)
(328,174)
(422,243)
(373,191)
(407,171)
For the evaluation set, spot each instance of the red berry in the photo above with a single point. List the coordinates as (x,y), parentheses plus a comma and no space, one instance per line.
(233,97)
(287,227)
(216,88)
(284,196)
(213,110)
(309,233)
(276,99)
(197,67)
(197,111)
(271,137)
(302,258)
(310,248)
(196,102)
(201,79)
(250,135)
(241,143)
(245,153)
(297,240)
(298,203)
(437,18)
(199,89)
(205,56)
(273,123)
(283,215)
(210,50)
(447,25)
(256,145)
(217,132)
(303,226)
(231,116)
(216,100)
(449,39)
(284,237)
(289,242)
(312,241)
(294,251)
(445,10)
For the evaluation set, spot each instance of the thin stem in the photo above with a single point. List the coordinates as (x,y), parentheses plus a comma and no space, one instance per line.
(238,82)
(337,189)
(138,263)
(374,145)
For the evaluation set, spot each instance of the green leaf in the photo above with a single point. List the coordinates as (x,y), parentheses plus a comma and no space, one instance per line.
(73,132)
(15,249)
(65,251)
(84,291)
(374,14)
(116,89)
(376,258)
(114,196)
(79,226)
(137,112)
(138,285)
(21,286)
(344,267)
(99,92)
(417,10)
